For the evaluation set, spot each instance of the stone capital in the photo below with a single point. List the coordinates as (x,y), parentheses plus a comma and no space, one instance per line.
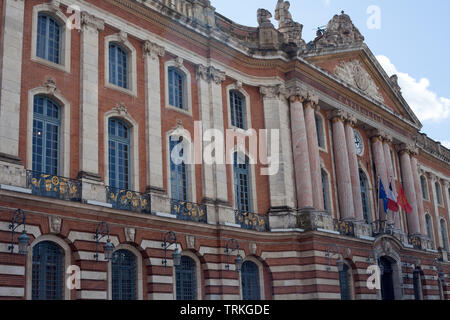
(153,50)
(377,134)
(446,184)
(337,115)
(92,22)
(388,138)
(296,93)
(272,92)
(210,74)
(407,148)
(351,120)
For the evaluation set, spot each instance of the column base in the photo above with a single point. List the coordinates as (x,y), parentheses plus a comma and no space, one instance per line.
(282,218)
(92,187)
(12,171)
(310,219)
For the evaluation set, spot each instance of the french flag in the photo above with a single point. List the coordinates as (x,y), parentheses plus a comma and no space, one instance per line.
(392,204)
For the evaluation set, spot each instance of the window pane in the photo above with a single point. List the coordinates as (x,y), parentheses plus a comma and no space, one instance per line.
(123,268)
(178,171)
(46,131)
(237,103)
(47,272)
(118,66)
(119,154)
(250,281)
(48,42)
(186,279)
(242,183)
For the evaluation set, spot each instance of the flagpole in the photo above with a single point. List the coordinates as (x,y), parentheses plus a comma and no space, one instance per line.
(378,202)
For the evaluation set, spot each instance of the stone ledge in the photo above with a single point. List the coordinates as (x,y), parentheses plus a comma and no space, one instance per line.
(98,203)
(16,189)
(234,225)
(166,215)
(287,230)
(10,159)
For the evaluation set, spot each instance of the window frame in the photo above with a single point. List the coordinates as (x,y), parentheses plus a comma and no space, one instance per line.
(121,39)
(178,64)
(119,49)
(233,95)
(123,141)
(368,195)
(198,275)
(250,187)
(247,103)
(65,42)
(321,131)
(350,282)
(121,271)
(444,233)
(134,147)
(46,120)
(424,183)
(438,190)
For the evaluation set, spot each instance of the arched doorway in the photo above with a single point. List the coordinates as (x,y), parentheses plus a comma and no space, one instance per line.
(387,279)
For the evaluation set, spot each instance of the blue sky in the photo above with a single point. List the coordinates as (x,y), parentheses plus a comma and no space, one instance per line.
(413,41)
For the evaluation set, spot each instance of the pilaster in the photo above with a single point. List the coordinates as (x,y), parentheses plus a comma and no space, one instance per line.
(152,54)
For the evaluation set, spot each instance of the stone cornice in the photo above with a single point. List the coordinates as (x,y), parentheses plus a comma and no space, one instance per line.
(273,92)
(210,74)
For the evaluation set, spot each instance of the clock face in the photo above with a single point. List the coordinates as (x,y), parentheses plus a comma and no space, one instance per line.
(359,144)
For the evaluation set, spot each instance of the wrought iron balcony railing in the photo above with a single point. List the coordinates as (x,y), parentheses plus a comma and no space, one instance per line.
(189,211)
(52,186)
(252,221)
(346,228)
(129,200)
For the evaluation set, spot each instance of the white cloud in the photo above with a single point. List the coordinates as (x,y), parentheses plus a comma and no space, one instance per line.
(425,103)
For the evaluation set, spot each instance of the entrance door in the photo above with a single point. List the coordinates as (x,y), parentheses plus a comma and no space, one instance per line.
(387,280)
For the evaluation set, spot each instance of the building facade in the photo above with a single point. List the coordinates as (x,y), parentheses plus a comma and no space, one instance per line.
(96,98)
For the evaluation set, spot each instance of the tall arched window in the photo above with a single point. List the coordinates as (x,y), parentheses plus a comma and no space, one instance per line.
(118,66)
(325,185)
(320,131)
(123,269)
(345,282)
(119,154)
(429,226)
(237,105)
(178,170)
(49,38)
(242,182)
(186,280)
(250,281)
(46,135)
(438,193)
(177,93)
(423,183)
(444,234)
(48,272)
(365,195)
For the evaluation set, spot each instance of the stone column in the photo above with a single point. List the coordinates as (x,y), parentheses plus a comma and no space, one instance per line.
(344,182)
(89,122)
(409,188)
(281,184)
(419,197)
(354,168)
(11,79)
(152,54)
(311,103)
(392,217)
(302,166)
(380,167)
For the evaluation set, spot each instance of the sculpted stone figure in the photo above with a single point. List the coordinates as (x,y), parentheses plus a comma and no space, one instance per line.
(264,18)
(282,14)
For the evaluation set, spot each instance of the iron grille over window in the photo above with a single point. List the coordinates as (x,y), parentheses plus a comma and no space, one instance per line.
(186,280)
(242,183)
(344,283)
(118,66)
(49,35)
(47,274)
(46,135)
(123,275)
(250,281)
(119,154)
(176,88)
(237,104)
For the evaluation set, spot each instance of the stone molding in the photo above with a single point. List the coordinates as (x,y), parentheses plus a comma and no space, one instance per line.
(209,74)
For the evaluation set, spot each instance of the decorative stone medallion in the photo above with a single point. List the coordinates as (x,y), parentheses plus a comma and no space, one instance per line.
(55,224)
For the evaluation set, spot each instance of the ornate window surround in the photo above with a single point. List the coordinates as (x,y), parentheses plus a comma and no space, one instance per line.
(198,274)
(237,86)
(260,274)
(49,89)
(178,64)
(53,11)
